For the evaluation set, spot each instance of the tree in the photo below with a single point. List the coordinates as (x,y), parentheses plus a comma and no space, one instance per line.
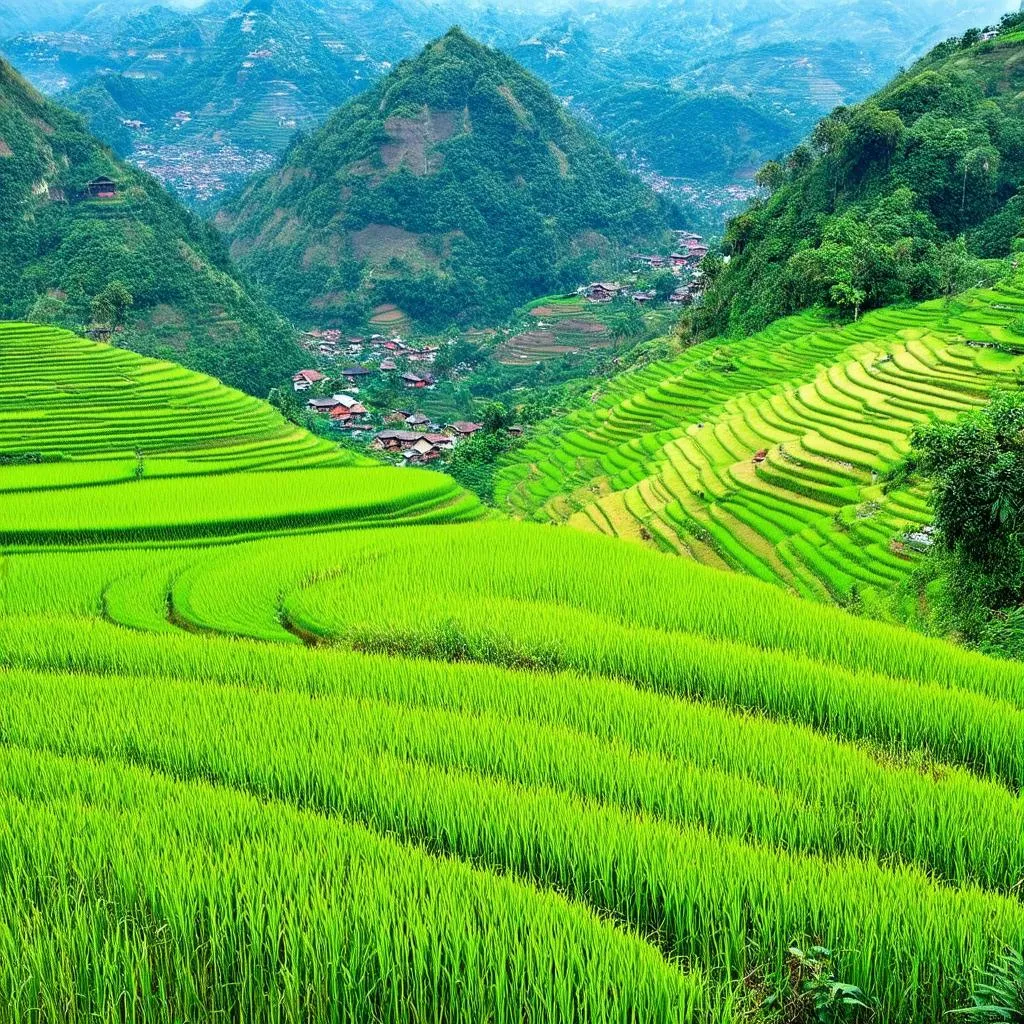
(977,468)
(111,306)
(958,269)
(663,284)
(847,296)
(772,176)
(495,416)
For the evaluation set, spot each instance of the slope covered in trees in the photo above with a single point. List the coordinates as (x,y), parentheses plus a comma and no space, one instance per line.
(126,255)
(891,200)
(456,189)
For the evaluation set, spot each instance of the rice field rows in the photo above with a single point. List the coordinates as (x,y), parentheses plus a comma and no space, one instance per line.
(63,396)
(258,764)
(767,455)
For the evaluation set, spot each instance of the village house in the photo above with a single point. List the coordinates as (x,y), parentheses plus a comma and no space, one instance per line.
(387,365)
(422,451)
(349,415)
(101,188)
(396,440)
(323,405)
(354,373)
(305,379)
(465,429)
(644,298)
(398,416)
(603,291)
(351,405)
(417,419)
(655,262)
(417,380)
(516,431)
(681,296)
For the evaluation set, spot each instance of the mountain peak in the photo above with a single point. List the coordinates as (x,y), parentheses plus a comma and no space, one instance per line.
(457,189)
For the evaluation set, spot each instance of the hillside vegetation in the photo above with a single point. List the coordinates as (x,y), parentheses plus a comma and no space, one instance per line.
(892,200)
(457,189)
(175,291)
(351,752)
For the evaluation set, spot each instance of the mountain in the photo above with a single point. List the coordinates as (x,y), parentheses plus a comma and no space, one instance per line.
(891,200)
(694,96)
(64,247)
(456,189)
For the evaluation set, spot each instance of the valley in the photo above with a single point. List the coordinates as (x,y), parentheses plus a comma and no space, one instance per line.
(526,526)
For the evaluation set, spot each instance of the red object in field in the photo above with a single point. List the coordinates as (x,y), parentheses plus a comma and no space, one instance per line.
(761,456)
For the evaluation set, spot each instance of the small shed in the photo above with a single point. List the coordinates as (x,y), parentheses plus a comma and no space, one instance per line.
(102,188)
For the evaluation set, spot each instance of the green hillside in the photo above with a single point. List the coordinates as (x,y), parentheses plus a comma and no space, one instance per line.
(349,752)
(870,211)
(665,455)
(457,189)
(62,248)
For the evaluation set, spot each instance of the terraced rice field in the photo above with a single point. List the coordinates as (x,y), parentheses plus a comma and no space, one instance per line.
(324,744)
(767,455)
(562,326)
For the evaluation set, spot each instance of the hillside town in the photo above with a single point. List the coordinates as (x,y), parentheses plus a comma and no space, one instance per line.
(345,366)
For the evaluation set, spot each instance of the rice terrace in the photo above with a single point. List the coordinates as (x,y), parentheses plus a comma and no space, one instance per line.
(509,562)
(271,789)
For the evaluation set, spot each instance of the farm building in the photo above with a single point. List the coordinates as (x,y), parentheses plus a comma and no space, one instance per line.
(305,379)
(464,429)
(354,373)
(101,188)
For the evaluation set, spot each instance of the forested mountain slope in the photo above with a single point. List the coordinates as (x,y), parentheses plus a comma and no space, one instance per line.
(123,254)
(456,189)
(870,211)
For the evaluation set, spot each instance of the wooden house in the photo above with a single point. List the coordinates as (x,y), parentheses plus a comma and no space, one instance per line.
(101,188)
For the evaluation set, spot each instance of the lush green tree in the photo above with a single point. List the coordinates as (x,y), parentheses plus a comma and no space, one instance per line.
(976,466)
(871,210)
(112,304)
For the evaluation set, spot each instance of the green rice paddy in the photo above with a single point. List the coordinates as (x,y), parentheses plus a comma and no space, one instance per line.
(767,455)
(289,738)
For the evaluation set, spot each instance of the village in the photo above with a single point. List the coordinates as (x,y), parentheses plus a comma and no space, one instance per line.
(684,263)
(347,365)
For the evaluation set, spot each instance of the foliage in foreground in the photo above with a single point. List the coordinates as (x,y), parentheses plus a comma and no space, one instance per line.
(976,465)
